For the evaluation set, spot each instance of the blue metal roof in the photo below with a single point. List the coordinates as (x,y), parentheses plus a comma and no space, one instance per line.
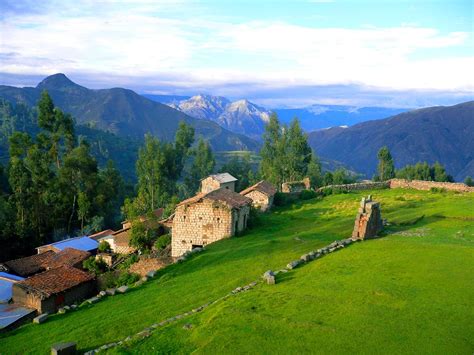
(6,284)
(10,313)
(80,243)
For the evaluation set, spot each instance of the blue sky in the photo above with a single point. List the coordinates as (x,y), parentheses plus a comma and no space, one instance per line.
(277,53)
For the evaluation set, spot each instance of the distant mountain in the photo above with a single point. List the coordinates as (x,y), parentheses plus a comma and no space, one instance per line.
(124,112)
(242,116)
(444,134)
(324,116)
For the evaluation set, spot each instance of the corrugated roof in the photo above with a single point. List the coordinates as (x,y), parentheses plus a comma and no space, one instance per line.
(54,281)
(10,313)
(223,177)
(99,235)
(6,284)
(230,198)
(80,243)
(262,186)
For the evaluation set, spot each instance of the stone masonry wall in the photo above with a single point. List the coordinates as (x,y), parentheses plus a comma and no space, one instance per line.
(358,186)
(427,185)
(260,200)
(203,223)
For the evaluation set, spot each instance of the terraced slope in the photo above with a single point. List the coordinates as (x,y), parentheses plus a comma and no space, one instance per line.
(409,292)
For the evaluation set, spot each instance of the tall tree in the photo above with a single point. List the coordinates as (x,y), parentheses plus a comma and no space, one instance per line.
(386,167)
(271,165)
(297,152)
(202,166)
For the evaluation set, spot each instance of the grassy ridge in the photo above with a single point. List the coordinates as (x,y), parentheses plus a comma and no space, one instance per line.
(408,292)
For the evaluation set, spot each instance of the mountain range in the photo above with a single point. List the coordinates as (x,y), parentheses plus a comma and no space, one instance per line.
(124,112)
(324,116)
(444,134)
(242,116)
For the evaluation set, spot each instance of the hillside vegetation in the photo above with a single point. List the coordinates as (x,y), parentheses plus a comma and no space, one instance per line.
(432,134)
(409,292)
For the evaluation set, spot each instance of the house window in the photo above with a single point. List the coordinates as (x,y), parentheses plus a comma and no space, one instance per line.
(194,246)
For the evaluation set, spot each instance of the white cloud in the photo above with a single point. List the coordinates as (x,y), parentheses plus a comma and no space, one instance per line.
(274,54)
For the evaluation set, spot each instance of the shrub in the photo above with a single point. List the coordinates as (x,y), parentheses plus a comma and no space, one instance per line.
(307,194)
(96,266)
(280,199)
(255,218)
(104,247)
(163,241)
(326,191)
(469,181)
(132,259)
(438,189)
(127,278)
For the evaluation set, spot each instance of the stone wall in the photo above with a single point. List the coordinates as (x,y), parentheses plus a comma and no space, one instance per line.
(368,222)
(260,200)
(145,265)
(358,186)
(427,185)
(202,223)
(210,184)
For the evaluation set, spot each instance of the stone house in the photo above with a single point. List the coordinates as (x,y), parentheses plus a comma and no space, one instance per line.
(296,186)
(207,218)
(55,288)
(218,181)
(262,194)
(37,263)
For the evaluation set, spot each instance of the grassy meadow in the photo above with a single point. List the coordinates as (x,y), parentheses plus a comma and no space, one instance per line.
(409,292)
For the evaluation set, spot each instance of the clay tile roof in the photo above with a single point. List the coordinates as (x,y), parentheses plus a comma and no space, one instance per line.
(262,186)
(68,256)
(54,281)
(99,235)
(223,177)
(230,198)
(122,237)
(30,265)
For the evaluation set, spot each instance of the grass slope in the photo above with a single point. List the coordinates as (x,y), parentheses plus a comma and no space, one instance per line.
(409,292)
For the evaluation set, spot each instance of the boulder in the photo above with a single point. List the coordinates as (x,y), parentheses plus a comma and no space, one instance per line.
(110,291)
(151,274)
(268,274)
(270,280)
(122,289)
(61,311)
(102,293)
(63,349)
(67,308)
(293,264)
(93,300)
(305,258)
(41,318)
(145,278)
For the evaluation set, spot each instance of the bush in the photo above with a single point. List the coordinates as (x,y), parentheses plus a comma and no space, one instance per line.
(132,259)
(163,241)
(255,218)
(307,194)
(104,247)
(438,189)
(127,278)
(95,266)
(280,199)
(326,191)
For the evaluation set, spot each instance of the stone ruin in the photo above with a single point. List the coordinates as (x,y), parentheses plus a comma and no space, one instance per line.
(368,222)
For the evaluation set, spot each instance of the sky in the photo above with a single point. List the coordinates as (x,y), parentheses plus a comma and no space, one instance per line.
(276,53)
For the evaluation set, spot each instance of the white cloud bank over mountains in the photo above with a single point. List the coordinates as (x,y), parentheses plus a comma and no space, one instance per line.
(148,49)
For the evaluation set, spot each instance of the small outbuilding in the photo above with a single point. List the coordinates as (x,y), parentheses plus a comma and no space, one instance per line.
(55,288)
(218,181)
(262,194)
(207,218)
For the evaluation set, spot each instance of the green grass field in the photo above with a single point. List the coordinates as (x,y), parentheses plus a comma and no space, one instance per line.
(409,292)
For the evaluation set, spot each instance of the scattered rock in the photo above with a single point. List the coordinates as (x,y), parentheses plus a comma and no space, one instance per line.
(305,258)
(151,274)
(67,308)
(144,278)
(187,326)
(122,289)
(41,318)
(61,311)
(64,349)
(293,264)
(93,300)
(110,291)
(102,293)
(73,306)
